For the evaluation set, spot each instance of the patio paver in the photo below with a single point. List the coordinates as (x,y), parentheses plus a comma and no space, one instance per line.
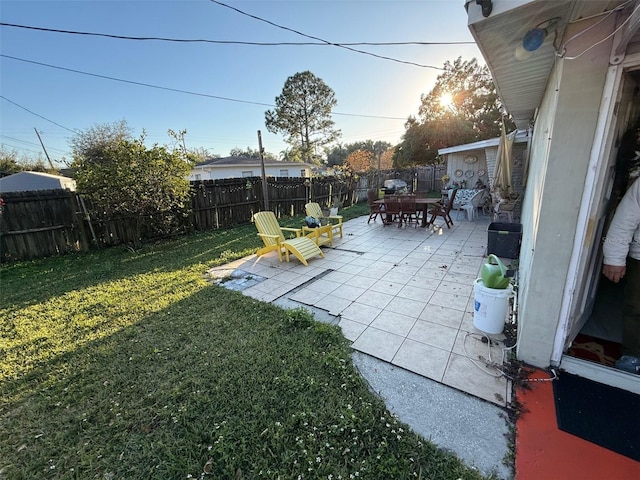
(403,295)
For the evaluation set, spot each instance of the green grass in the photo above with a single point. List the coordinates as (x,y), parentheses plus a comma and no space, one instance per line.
(128,364)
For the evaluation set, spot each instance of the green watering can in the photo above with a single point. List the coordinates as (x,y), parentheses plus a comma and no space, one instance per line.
(494,273)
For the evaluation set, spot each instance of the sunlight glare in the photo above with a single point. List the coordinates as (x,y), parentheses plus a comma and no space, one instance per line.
(446,100)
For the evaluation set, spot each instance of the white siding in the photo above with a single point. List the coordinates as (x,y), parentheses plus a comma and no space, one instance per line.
(214,172)
(561,145)
(455,162)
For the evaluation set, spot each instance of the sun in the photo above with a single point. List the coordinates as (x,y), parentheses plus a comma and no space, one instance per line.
(446,100)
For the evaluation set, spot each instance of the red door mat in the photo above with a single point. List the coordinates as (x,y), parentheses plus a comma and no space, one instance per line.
(595,349)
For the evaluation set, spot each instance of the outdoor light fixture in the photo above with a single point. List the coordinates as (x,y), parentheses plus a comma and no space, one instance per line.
(535,38)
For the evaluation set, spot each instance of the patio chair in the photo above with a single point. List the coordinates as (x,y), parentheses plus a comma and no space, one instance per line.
(419,210)
(471,206)
(408,209)
(271,233)
(444,210)
(375,209)
(313,209)
(505,208)
(392,212)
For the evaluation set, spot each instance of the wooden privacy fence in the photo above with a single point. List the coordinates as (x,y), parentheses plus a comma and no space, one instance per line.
(419,179)
(49,222)
(39,224)
(233,201)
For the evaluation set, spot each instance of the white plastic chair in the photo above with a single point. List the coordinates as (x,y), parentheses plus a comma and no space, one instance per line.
(471,205)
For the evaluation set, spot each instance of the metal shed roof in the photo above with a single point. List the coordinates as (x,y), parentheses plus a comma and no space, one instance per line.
(28,181)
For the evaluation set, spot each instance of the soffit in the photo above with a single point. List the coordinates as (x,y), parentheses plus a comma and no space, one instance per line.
(521,82)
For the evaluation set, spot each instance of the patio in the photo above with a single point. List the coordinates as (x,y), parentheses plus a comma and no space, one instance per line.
(403,295)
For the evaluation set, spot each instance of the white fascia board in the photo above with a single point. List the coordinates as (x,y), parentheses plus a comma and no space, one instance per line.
(521,137)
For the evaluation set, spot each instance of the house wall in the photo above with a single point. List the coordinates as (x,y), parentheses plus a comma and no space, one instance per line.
(233,171)
(561,144)
(455,162)
(487,157)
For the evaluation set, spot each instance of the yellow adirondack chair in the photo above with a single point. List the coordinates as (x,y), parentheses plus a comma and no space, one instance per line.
(313,209)
(272,235)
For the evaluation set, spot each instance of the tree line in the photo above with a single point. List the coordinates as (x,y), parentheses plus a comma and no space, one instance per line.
(463,107)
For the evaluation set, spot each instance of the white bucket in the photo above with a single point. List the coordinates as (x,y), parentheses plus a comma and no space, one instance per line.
(491,306)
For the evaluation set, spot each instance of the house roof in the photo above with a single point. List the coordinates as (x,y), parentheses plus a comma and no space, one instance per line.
(248,162)
(521,137)
(28,181)
(521,76)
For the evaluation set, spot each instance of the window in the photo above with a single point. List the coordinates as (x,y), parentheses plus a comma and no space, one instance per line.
(198,177)
(303,173)
(284,173)
(247,173)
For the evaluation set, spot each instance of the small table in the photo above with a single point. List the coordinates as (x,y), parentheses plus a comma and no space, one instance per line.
(422,203)
(322,235)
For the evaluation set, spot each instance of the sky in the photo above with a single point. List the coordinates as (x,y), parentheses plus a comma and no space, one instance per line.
(232,85)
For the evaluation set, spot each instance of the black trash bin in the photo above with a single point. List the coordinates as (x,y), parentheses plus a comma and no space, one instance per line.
(504,239)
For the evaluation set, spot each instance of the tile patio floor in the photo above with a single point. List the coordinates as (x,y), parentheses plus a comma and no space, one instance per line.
(403,295)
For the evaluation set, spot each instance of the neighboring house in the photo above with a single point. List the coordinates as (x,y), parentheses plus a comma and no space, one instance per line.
(28,181)
(477,161)
(238,167)
(577,94)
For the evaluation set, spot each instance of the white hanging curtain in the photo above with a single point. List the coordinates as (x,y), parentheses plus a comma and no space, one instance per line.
(502,182)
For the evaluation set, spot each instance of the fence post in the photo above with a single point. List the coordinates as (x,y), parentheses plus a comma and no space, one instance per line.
(265,192)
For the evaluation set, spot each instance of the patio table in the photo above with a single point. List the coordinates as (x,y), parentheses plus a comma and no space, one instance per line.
(422,203)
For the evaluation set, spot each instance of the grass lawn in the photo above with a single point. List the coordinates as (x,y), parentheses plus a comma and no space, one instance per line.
(128,364)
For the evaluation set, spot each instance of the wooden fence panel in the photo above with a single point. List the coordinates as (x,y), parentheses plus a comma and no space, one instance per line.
(39,224)
(288,196)
(225,203)
(333,191)
(104,230)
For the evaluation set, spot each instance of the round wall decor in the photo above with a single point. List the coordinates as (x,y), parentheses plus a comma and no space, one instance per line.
(470,159)
(458,173)
(469,173)
(481,172)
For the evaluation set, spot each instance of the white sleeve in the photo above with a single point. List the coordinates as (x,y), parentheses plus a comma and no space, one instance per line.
(623,226)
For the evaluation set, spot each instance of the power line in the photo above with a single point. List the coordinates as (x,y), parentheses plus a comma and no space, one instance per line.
(29,143)
(19,148)
(142,84)
(225,42)
(18,140)
(34,113)
(177,90)
(323,40)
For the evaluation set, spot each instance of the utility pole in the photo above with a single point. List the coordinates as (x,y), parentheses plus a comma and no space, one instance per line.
(45,150)
(265,189)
